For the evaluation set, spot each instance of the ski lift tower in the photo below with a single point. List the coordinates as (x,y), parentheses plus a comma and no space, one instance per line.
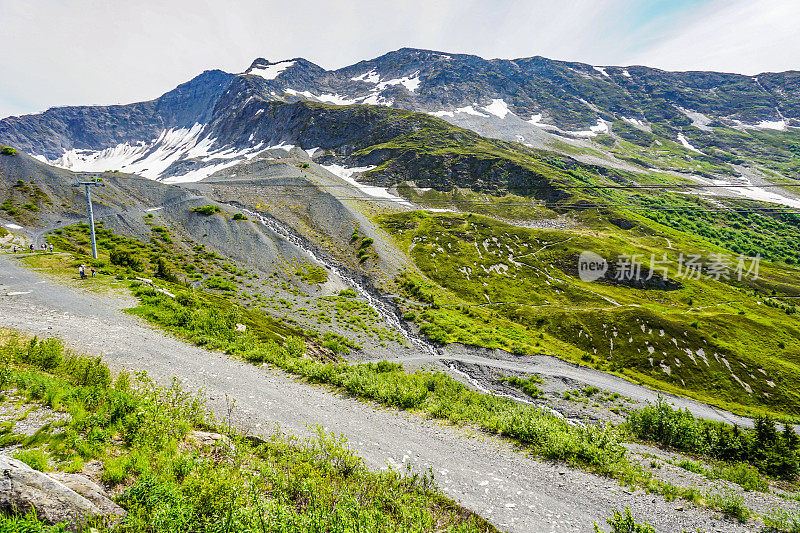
(87,185)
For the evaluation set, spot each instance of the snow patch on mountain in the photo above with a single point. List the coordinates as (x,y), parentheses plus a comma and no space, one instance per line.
(369,77)
(270,72)
(306,94)
(498,108)
(602,71)
(699,120)
(593,131)
(634,122)
(772,125)
(152,159)
(469,110)
(376,192)
(686,144)
(409,82)
(335,99)
(758,193)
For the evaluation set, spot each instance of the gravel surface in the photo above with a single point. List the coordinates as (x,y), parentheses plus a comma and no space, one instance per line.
(547,365)
(483,473)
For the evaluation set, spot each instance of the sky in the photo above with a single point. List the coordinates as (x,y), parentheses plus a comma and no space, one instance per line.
(88,52)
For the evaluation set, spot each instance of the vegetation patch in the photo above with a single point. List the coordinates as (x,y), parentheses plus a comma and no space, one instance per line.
(168,482)
(488,283)
(207,210)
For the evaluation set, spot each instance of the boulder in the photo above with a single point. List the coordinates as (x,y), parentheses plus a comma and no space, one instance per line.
(91,491)
(22,488)
(207,438)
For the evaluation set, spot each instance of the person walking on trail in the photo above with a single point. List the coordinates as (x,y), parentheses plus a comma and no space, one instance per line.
(51,248)
(92,271)
(82,271)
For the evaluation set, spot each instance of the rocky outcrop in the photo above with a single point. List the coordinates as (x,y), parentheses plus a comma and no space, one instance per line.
(91,491)
(23,489)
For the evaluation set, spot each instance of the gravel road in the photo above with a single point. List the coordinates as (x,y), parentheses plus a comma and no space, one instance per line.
(483,473)
(548,365)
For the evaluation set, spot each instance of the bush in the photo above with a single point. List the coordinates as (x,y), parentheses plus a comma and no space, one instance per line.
(730,504)
(625,524)
(527,385)
(207,210)
(772,453)
(7,150)
(127,259)
(47,354)
(239,216)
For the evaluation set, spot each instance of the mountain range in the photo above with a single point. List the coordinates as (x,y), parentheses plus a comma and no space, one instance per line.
(633,118)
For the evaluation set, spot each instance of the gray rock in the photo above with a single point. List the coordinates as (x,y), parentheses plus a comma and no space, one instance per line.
(22,488)
(91,491)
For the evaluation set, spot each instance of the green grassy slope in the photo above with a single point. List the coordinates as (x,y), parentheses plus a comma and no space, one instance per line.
(487,283)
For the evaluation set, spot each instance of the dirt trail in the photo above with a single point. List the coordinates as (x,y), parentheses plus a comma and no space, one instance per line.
(485,474)
(552,366)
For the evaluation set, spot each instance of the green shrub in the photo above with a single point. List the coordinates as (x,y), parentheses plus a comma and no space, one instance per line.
(7,150)
(625,524)
(772,453)
(239,216)
(731,504)
(743,474)
(220,283)
(527,385)
(46,354)
(207,210)
(127,259)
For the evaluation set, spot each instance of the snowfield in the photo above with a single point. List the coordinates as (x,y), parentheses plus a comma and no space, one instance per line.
(270,72)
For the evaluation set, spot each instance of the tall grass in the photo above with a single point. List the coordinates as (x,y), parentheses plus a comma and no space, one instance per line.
(139,429)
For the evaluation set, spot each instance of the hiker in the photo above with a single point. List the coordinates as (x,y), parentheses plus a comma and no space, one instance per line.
(92,271)
(15,248)
(82,271)
(51,248)
(31,247)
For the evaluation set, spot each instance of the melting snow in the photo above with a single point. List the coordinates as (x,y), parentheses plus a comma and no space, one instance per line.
(307,94)
(498,108)
(626,73)
(335,99)
(757,193)
(13,226)
(686,144)
(376,192)
(469,110)
(772,125)
(600,127)
(602,71)
(369,77)
(152,159)
(633,121)
(409,82)
(270,72)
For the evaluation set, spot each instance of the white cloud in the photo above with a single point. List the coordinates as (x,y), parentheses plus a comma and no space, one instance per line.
(732,36)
